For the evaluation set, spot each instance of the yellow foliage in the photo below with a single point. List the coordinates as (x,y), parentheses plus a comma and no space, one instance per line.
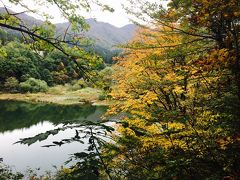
(163,88)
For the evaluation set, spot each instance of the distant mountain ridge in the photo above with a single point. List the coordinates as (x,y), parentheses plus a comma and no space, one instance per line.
(111,35)
(104,34)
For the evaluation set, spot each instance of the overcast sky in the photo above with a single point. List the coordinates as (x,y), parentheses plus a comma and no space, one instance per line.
(118,18)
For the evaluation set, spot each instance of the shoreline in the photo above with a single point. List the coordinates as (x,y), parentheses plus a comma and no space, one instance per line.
(80,97)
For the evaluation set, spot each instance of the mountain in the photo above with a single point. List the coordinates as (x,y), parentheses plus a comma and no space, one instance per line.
(104,34)
(106,37)
(24,17)
(109,35)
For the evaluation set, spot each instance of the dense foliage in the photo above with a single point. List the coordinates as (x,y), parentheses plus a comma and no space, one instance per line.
(178,86)
(19,63)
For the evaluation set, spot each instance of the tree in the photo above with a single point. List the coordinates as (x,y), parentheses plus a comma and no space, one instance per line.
(216,22)
(21,62)
(177,86)
(43,36)
(11,84)
(18,61)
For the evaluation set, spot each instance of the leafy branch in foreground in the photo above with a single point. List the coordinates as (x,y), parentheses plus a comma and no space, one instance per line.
(90,163)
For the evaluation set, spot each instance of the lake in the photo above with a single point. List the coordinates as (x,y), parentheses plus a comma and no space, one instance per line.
(22,120)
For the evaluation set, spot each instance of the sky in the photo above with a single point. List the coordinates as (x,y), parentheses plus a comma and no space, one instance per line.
(118,18)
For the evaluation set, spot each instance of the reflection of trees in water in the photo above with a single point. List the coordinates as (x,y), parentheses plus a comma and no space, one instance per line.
(16,115)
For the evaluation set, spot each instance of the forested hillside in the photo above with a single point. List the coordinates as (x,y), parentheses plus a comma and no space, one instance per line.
(104,37)
(23,63)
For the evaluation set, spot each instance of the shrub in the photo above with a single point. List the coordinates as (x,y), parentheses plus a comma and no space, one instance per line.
(33,85)
(25,77)
(102,97)
(104,79)
(11,84)
(80,84)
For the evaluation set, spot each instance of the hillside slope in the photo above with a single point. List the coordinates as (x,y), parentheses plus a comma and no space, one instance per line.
(104,34)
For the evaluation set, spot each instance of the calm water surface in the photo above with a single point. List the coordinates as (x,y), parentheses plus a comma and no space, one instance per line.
(21,120)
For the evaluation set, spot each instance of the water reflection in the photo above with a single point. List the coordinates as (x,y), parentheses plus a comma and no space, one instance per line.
(21,120)
(18,115)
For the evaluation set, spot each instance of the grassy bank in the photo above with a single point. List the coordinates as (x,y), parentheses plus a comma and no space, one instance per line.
(62,95)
